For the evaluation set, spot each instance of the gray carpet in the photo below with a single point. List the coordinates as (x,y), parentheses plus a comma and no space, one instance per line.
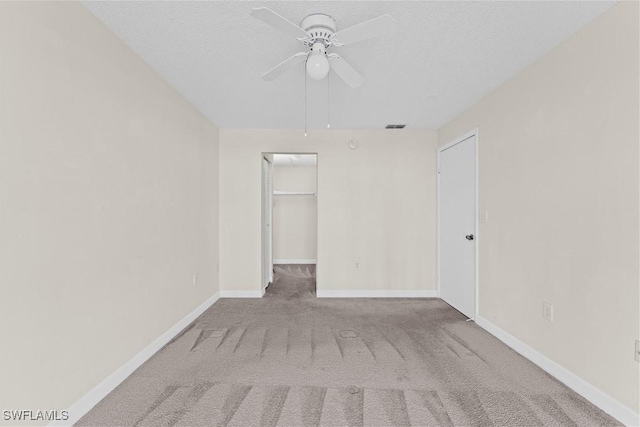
(291,281)
(293,360)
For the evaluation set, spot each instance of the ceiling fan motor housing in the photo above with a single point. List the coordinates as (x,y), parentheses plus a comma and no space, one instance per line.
(320,28)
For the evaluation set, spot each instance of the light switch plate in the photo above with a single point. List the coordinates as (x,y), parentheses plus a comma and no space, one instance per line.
(637,353)
(484,217)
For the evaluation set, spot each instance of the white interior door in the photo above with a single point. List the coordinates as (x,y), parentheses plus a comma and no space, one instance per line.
(457,225)
(267,233)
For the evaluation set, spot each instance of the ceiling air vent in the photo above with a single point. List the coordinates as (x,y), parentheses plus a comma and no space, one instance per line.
(394,126)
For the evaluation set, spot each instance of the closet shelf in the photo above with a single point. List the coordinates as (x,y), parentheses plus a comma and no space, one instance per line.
(293,193)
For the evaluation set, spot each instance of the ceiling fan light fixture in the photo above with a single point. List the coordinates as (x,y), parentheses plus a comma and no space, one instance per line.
(319,31)
(317,62)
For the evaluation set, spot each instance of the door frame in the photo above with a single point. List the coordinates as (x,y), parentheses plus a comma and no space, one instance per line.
(476,233)
(267,206)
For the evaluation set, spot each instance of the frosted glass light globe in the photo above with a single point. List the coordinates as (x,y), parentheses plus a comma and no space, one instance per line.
(317,65)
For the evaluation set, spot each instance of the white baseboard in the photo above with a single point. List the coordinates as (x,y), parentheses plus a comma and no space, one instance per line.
(622,413)
(376,294)
(241,294)
(95,395)
(295,261)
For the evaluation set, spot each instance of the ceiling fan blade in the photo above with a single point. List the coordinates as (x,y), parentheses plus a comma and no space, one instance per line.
(268,16)
(345,71)
(375,27)
(284,66)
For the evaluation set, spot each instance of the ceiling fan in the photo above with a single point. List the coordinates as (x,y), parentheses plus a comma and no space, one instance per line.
(319,32)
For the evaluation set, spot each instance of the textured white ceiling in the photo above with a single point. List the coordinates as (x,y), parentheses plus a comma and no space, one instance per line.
(444,57)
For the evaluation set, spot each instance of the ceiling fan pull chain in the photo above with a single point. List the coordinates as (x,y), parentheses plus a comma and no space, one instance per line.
(305,101)
(328,98)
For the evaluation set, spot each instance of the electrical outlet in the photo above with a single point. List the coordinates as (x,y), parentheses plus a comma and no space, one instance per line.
(357,265)
(547,311)
(637,353)
(195,279)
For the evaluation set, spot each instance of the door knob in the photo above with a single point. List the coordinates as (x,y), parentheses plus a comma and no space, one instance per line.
(469,237)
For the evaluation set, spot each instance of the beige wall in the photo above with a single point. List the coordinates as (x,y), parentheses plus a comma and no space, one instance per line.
(295,219)
(558,176)
(376,207)
(108,205)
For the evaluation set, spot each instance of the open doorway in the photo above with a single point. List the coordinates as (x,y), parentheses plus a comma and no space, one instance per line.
(290,224)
